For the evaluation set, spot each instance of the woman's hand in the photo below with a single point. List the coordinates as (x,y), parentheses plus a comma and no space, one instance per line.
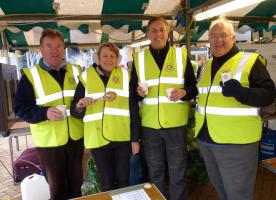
(110,96)
(85,102)
(135,146)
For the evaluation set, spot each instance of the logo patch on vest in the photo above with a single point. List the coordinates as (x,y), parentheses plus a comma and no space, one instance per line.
(71,80)
(169,68)
(116,79)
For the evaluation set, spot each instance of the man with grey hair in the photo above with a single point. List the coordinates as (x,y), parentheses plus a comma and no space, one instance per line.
(228,127)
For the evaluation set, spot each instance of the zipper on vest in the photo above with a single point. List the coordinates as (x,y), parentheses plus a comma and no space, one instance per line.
(105,86)
(63,100)
(205,118)
(158,99)
(62,89)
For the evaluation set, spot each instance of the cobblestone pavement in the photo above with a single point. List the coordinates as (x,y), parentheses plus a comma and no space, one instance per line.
(9,191)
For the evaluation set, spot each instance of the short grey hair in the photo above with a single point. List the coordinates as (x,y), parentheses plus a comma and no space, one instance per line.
(225,22)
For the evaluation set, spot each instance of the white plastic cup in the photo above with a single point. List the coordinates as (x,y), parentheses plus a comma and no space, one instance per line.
(225,76)
(62,108)
(145,87)
(169,92)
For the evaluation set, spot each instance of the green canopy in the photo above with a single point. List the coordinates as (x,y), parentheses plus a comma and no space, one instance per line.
(88,22)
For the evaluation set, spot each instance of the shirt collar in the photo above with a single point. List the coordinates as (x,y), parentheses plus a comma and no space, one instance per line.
(44,65)
(101,71)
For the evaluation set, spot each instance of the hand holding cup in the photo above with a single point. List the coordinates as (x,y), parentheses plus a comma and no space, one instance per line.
(143,89)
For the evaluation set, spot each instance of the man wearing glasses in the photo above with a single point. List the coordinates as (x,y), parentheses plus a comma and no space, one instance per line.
(228,127)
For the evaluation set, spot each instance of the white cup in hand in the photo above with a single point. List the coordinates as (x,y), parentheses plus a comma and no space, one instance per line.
(225,76)
(169,92)
(145,87)
(62,108)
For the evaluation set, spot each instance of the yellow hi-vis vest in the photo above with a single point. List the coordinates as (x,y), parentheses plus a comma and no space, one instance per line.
(49,93)
(228,121)
(106,121)
(156,110)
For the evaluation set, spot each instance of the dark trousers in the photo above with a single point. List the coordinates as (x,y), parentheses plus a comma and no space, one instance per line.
(113,164)
(63,169)
(163,146)
(231,168)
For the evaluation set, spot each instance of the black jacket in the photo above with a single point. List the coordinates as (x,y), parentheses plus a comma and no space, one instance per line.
(159,57)
(261,91)
(135,121)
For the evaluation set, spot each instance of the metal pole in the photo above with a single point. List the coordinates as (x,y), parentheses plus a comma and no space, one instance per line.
(187,28)
(5,46)
(66,54)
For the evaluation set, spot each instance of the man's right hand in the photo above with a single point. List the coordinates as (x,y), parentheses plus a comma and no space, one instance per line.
(54,114)
(141,92)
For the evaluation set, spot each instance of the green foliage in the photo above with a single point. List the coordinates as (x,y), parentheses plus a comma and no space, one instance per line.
(92,183)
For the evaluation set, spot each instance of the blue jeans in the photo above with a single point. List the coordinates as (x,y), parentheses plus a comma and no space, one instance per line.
(163,146)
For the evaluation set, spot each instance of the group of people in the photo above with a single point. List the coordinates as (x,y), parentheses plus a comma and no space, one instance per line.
(112,110)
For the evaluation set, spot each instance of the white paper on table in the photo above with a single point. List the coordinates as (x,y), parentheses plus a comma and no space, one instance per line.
(133,195)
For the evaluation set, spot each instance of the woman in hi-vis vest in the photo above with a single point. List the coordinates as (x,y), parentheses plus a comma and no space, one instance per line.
(110,123)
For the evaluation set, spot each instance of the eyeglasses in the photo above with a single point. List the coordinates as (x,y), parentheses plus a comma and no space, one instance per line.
(223,36)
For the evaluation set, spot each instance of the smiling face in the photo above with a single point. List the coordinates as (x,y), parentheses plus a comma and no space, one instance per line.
(107,58)
(221,39)
(158,34)
(52,50)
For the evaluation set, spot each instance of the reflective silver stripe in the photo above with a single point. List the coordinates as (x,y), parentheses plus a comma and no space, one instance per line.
(54,96)
(37,83)
(125,80)
(237,76)
(178,81)
(68,113)
(178,53)
(205,90)
(116,111)
(84,75)
(118,92)
(76,73)
(95,95)
(49,98)
(68,93)
(162,99)
(42,98)
(141,64)
(153,82)
(150,100)
(108,111)
(93,117)
(125,91)
(229,111)
(241,66)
